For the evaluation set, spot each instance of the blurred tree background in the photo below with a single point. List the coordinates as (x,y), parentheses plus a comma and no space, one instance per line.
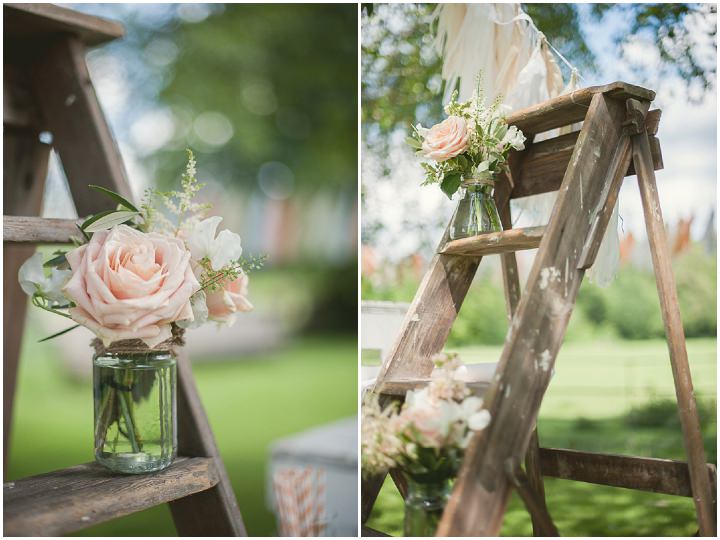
(267,99)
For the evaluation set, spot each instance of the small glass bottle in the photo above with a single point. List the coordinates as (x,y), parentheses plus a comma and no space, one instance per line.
(135,410)
(424,505)
(476,212)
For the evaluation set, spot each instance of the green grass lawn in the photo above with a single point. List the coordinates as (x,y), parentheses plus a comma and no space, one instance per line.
(605,397)
(250,404)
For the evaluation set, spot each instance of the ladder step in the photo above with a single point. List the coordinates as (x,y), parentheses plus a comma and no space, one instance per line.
(570,108)
(36,230)
(399,387)
(68,500)
(497,242)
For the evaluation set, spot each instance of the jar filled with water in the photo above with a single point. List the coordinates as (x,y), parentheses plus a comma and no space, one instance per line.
(135,410)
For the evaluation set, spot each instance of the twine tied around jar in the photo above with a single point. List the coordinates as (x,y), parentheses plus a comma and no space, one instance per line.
(137,346)
(472,181)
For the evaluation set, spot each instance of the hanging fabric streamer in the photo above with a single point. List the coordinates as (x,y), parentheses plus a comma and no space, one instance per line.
(517,62)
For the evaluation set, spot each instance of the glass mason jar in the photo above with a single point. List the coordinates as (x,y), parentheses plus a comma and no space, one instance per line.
(424,505)
(476,212)
(135,410)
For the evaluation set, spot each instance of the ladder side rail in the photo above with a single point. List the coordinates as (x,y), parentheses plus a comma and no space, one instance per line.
(81,135)
(430,317)
(25,167)
(213,512)
(481,492)
(511,281)
(667,292)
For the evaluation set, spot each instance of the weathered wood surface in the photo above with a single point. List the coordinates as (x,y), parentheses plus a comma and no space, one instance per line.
(369,489)
(35,230)
(606,203)
(81,135)
(669,306)
(542,522)
(538,328)
(213,512)
(544,163)
(37,21)
(511,281)
(430,317)
(646,474)
(506,241)
(423,334)
(25,166)
(19,109)
(570,108)
(71,499)
(400,387)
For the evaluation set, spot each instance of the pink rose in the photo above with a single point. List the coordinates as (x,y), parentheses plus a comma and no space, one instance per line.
(447,139)
(127,284)
(231,298)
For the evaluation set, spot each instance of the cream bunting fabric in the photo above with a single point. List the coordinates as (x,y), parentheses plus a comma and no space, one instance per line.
(517,62)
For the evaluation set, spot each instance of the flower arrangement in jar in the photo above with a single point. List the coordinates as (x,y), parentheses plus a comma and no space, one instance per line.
(468,150)
(137,278)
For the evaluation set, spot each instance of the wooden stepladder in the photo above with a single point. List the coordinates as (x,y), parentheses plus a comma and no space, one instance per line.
(617,139)
(48,90)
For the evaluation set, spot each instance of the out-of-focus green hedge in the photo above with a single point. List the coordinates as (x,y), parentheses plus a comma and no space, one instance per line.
(629,308)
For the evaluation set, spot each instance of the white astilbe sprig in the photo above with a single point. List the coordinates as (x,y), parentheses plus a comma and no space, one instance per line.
(180,212)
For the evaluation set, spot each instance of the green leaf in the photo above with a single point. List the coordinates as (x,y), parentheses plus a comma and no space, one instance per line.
(56,261)
(114,196)
(60,333)
(450,184)
(87,238)
(109,221)
(92,219)
(414,143)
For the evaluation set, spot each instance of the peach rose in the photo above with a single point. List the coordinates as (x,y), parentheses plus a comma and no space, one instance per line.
(447,139)
(127,284)
(224,303)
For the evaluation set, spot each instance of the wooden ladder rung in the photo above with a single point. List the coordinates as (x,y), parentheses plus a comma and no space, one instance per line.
(497,242)
(571,108)
(399,387)
(640,473)
(544,163)
(36,230)
(68,500)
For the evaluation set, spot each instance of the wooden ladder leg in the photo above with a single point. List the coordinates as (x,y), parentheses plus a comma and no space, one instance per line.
(689,419)
(370,489)
(511,281)
(81,135)
(24,170)
(424,332)
(214,512)
(599,162)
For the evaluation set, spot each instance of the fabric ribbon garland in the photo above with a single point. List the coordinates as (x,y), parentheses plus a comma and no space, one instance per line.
(516,61)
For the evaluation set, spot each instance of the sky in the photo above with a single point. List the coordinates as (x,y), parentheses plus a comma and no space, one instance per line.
(687,133)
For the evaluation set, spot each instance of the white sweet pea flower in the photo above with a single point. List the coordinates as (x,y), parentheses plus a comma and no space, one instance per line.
(198,303)
(221,250)
(32,279)
(479,420)
(515,138)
